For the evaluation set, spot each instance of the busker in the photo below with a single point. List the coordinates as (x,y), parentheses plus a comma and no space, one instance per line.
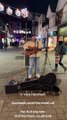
(32,49)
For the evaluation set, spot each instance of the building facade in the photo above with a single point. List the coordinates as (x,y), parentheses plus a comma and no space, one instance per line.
(61,20)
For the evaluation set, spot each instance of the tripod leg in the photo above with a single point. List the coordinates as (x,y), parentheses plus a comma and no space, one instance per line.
(45,63)
(49,63)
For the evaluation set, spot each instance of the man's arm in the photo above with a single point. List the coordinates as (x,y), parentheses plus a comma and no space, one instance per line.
(25,46)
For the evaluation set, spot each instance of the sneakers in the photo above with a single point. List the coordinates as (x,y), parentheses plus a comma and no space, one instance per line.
(38,75)
(29,76)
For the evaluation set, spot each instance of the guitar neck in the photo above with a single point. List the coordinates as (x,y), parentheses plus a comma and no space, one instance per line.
(34,48)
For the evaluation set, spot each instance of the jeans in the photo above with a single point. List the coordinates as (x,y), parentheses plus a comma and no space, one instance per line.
(34,61)
(60,62)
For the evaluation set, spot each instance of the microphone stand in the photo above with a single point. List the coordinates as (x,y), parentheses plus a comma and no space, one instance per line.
(36,47)
(46,55)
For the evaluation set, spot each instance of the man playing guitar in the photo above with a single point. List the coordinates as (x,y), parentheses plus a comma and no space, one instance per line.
(32,49)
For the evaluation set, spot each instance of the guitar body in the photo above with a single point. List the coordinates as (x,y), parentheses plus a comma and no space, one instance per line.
(28,53)
(31,50)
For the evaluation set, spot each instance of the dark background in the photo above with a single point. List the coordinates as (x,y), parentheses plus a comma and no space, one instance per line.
(38,6)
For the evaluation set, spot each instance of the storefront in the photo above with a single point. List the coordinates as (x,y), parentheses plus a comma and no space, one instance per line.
(52,39)
(62,33)
(52,30)
(61,20)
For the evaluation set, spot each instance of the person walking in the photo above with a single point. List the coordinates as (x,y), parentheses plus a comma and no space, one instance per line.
(60,51)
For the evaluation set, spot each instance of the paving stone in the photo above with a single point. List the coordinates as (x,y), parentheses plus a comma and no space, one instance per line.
(61,116)
(1,104)
(54,116)
(65,115)
(58,110)
(50,111)
(1,118)
(5,109)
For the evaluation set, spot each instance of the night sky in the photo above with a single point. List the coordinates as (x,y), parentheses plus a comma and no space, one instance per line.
(36,6)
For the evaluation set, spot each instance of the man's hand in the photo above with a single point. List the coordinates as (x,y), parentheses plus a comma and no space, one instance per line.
(43,50)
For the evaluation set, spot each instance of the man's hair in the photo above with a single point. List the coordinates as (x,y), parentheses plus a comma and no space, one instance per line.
(60,42)
(33,35)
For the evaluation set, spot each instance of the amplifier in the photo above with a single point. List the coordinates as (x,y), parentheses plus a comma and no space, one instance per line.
(12,87)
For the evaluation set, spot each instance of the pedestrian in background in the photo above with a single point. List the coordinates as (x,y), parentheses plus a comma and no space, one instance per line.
(1,45)
(5,45)
(60,51)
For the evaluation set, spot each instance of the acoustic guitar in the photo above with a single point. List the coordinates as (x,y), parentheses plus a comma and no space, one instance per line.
(32,50)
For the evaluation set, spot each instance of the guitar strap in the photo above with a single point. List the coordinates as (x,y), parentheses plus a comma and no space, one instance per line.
(36,43)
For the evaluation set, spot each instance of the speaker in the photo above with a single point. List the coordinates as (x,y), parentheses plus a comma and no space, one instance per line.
(11,87)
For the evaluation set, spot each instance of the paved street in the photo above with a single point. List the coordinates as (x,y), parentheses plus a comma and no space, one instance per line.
(11,60)
(12,66)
